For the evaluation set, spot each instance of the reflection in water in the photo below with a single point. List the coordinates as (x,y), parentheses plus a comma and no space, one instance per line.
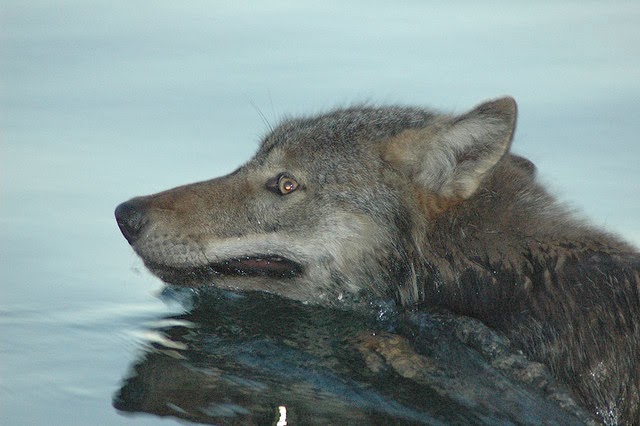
(259,359)
(282,419)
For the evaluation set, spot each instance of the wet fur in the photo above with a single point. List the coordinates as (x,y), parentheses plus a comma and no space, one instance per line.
(566,293)
(426,208)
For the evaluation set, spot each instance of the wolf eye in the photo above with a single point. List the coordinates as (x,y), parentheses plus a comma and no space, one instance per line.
(286,185)
(282,184)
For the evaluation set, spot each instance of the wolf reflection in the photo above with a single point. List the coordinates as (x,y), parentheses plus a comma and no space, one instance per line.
(235,359)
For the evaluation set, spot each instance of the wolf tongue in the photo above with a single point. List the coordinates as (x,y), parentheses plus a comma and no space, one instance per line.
(269,265)
(257,262)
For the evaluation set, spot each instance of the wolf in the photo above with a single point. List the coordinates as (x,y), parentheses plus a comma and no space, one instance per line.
(425,208)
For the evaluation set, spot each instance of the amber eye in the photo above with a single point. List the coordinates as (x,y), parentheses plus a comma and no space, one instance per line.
(286,185)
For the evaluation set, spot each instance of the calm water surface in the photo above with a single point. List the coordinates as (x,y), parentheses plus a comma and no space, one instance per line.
(101,101)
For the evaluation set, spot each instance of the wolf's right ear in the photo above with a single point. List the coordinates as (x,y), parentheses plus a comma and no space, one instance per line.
(450,157)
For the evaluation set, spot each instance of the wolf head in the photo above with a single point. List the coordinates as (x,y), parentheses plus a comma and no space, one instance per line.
(332,209)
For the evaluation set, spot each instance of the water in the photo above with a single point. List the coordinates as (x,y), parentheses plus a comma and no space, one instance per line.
(103,101)
(258,359)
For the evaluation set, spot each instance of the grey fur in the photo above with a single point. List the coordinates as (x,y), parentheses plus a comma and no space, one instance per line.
(423,207)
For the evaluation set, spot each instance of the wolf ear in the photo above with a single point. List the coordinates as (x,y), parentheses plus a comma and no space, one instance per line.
(450,157)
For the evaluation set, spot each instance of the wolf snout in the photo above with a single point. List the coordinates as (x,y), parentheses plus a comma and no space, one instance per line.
(131,219)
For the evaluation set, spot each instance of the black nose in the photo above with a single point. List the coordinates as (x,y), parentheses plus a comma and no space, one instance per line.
(131,219)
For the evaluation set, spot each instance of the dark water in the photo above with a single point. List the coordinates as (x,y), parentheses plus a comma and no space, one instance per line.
(258,359)
(101,101)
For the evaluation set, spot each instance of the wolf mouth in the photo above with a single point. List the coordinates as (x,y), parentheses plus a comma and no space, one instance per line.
(249,266)
(258,265)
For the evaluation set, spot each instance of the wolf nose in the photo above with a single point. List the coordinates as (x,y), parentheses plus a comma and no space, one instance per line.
(130,219)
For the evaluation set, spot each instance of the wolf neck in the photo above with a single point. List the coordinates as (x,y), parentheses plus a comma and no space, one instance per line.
(484,254)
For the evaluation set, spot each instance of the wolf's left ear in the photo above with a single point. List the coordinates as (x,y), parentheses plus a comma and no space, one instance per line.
(450,157)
